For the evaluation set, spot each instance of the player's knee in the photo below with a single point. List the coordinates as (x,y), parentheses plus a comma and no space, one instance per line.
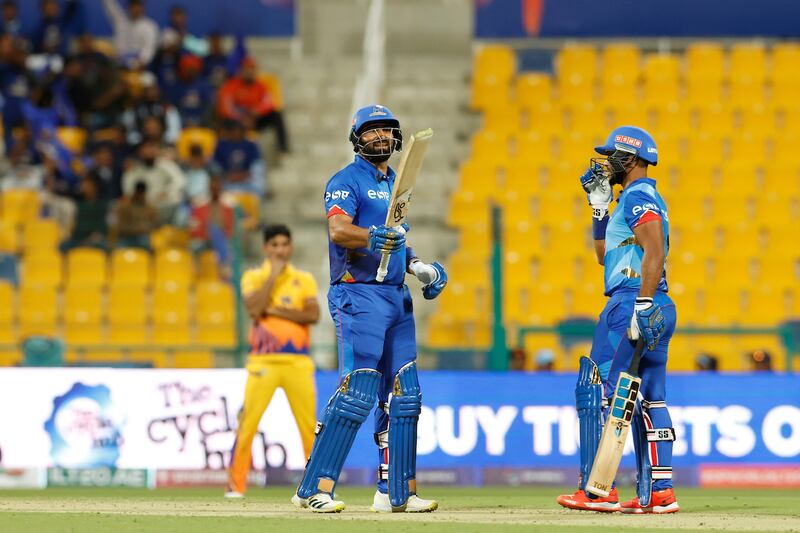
(406,394)
(357,394)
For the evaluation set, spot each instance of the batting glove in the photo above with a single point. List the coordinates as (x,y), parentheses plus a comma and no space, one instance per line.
(433,278)
(647,321)
(385,239)
(598,189)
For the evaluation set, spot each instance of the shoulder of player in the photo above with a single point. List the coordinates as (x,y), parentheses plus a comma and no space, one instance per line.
(345,176)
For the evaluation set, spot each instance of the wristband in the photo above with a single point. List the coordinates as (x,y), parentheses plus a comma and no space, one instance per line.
(599,227)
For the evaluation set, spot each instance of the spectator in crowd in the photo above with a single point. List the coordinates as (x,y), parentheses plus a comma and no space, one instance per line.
(165,64)
(151,105)
(94,86)
(198,175)
(194,94)
(516,359)
(91,214)
(215,64)
(179,21)
(105,173)
(135,35)
(135,218)
(57,195)
(545,360)
(761,361)
(10,24)
(212,222)
(22,168)
(239,160)
(249,101)
(56,28)
(165,182)
(15,84)
(707,362)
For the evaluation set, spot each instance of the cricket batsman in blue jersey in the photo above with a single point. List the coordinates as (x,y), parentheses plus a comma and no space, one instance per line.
(632,244)
(374,327)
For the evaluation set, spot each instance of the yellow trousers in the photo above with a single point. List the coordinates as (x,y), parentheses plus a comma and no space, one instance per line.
(265,373)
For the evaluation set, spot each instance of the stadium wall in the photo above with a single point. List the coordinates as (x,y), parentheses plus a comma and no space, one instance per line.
(176,427)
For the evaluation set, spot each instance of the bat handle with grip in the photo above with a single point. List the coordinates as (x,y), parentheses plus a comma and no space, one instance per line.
(383,268)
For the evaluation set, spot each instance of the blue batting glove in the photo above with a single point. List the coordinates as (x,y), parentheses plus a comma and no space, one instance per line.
(385,239)
(433,278)
(647,321)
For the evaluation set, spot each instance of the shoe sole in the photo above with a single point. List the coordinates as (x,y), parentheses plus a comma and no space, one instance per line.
(656,509)
(600,507)
(336,509)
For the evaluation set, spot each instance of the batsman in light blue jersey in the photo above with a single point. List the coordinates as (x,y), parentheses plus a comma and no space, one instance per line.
(632,244)
(375,330)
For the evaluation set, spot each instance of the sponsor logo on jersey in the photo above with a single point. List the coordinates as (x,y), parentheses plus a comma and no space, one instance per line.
(628,140)
(336,195)
(645,207)
(373,195)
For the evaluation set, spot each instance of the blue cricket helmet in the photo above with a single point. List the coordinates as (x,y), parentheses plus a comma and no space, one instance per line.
(369,114)
(633,140)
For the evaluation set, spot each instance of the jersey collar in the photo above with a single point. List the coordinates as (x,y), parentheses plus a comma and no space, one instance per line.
(370,169)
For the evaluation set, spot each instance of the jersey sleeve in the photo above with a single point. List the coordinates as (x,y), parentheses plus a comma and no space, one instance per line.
(640,208)
(341,197)
(308,286)
(252,280)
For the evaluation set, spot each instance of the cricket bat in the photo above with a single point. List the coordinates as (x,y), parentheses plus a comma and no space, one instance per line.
(617,426)
(410,162)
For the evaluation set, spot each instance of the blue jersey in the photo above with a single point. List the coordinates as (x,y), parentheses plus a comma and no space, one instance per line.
(362,192)
(638,203)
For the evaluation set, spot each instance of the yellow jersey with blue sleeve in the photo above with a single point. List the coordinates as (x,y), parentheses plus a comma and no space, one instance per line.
(271,335)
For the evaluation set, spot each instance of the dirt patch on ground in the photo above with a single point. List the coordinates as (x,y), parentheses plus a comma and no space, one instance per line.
(520,516)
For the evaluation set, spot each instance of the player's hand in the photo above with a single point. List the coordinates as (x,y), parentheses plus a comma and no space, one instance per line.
(433,278)
(277,266)
(385,239)
(647,321)
(598,190)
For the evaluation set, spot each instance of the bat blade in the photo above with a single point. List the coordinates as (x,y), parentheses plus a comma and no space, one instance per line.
(410,163)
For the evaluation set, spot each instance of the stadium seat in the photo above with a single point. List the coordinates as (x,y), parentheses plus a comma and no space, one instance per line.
(85,335)
(131,267)
(215,304)
(168,237)
(19,206)
(705,60)
(9,237)
(577,60)
(661,75)
(174,266)
(128,336)
(42,269)
(207,266)
(171,304)
(87,267)
(128,307)
(217,336)
(83,306)
(203,137)
(38,311)
(8,307)
(171,334)
(194,359)
(783,75)
(42,234)
(250,203)
(532,89)
(273,83)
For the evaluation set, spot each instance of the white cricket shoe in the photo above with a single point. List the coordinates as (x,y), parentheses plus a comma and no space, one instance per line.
(234,495)
(415,504)
(320,502)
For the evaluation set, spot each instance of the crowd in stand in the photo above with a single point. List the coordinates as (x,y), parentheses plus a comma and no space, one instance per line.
(132,96)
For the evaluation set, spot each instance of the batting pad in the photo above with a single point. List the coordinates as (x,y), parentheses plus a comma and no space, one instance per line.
(404,409)
(589,403)
(346,411)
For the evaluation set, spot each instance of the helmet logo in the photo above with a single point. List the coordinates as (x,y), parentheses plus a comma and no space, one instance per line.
(628,140)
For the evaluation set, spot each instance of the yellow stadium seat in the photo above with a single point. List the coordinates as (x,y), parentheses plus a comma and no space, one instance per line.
(167,237)
(682,355)
(174,266)
(758,120)
(83,306)
(84,334)
(194,359)
(207,266)
(782,177)
(705,60)
(9,237)
(702,91)
(8,307)
(577,60)
(488,143)
(746,148)
(495,59)
(19,206)
(87,267)
(467,208)
(748,60)
(215,303)
(42,234)
(475,240)
(490,91)
(11,358)
(273,83)
(94,357)
(535,342)
(621,56)
(203,137)
(705,147)
(131,267)
(576,88)
(714,120)
(547,305)
(73,138)
(250,203)
(503,118)
(673,120)
(784,92)
(171,304)
(127,306)
(661,74)
(533,88)
(221,336)
(779,272)
(171,335)
(776,210)
(740,177)
(42,269)
(119,335)
(785,58)
(38,311)
(462,302)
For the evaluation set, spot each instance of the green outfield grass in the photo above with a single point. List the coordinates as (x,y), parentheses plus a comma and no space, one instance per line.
(462,510)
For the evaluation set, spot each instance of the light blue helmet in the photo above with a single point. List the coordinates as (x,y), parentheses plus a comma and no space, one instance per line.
(633,140)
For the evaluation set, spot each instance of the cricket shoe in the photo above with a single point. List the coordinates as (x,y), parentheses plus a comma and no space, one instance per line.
(582,502)
(320,502)
(661,502)
(415,504)
(233,495)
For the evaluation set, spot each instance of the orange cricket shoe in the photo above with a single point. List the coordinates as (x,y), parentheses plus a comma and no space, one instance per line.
(661,502)
(581,501)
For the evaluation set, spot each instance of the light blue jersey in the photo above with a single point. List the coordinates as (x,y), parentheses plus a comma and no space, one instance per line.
(638,203)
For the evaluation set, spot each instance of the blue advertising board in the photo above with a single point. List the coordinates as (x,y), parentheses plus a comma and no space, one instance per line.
(629,18)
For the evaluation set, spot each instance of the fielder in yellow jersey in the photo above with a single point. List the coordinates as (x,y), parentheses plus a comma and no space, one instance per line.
(282,301)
